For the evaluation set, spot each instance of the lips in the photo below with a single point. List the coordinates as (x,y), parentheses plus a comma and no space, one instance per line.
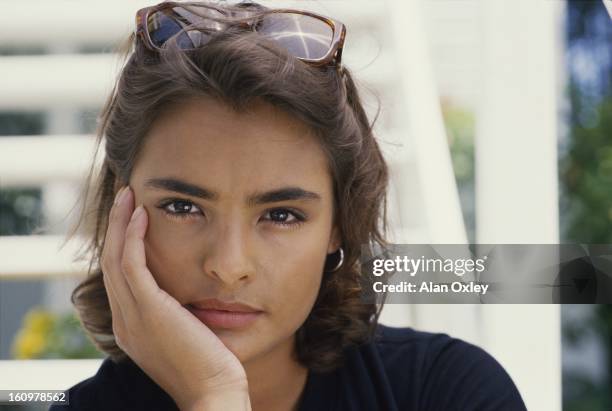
(215,304)
(219,314)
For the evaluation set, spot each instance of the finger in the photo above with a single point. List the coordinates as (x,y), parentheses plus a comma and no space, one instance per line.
(113,250)
(118,320)
(112,299)
(141,281)
(117,316)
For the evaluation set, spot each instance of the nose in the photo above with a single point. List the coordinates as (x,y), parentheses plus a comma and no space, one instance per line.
(228,258)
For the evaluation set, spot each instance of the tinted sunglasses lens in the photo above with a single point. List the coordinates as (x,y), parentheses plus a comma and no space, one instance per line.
(304,36)
(190,27)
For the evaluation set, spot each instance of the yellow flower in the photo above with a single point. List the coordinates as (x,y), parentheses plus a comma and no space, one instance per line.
(30,341)
(28,344)
(38,320)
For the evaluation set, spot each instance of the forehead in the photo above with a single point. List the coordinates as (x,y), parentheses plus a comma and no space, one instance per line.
(203,140)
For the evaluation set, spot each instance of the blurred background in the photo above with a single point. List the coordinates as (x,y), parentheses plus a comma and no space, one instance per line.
(495,117)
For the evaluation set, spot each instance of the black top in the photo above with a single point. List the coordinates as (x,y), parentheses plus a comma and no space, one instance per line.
(401,369)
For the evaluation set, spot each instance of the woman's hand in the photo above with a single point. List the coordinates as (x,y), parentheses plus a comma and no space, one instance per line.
(180,353)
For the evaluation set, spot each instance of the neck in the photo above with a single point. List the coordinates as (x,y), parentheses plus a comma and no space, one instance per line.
(276,379)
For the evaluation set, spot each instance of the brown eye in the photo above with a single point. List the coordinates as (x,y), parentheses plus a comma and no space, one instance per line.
(177,208)
(285,217)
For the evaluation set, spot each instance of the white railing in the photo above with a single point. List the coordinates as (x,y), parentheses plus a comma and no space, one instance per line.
(17,260)
(39,375)
(27,160)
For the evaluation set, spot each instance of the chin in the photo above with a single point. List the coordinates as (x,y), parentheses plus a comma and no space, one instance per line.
(245,345)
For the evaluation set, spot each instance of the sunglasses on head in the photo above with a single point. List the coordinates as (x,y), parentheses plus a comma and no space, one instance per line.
(310,37)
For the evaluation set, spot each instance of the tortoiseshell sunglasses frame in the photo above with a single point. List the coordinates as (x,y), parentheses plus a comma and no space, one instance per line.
(333,56)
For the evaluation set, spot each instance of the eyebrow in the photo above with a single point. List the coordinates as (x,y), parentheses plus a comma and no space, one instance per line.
(257,198)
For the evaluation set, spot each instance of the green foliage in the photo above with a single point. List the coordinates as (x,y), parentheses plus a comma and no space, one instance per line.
(586,216)
(48,335)
(460,128)
(586,177)
(68,340)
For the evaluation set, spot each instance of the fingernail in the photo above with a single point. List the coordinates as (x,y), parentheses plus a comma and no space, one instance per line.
(118,195)
(137,212)
(123,195)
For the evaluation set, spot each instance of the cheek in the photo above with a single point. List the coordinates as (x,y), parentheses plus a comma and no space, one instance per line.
(297,280)
(168,252)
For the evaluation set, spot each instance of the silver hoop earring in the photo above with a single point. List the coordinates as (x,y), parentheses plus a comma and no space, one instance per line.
(337,267)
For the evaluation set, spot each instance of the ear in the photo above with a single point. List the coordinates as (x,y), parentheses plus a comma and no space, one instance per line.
(334,240)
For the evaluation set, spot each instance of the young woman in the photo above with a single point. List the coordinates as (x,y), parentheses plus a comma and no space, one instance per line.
(240,179)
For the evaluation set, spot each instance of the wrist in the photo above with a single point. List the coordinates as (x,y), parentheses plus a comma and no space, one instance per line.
(226,400)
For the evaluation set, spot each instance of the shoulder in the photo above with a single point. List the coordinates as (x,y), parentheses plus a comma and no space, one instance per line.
(443,372)
(117,386)
(91,393)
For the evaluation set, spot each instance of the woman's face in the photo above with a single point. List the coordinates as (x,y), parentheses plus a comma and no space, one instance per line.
(227,219)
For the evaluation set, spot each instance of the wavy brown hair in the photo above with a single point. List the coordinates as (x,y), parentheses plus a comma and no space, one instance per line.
(235,68)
